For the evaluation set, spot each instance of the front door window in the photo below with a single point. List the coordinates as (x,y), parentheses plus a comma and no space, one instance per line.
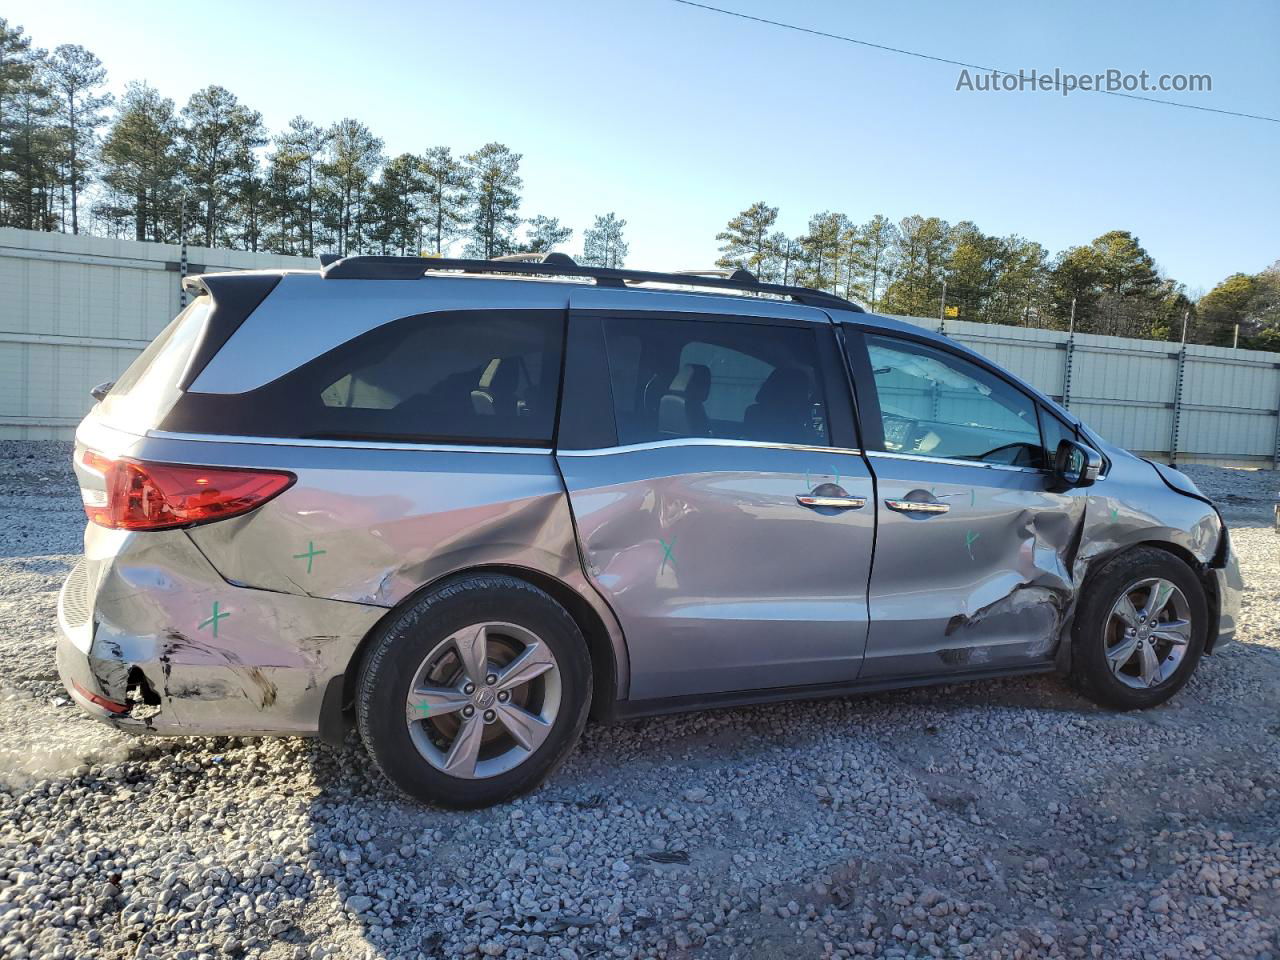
(935,404)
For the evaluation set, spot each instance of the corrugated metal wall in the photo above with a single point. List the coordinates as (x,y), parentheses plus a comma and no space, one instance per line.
(74,311)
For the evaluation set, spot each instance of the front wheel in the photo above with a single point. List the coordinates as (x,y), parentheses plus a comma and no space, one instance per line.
(1139,631)
(475,693)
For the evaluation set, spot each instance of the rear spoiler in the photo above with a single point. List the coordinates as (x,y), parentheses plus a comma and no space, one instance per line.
(234,296)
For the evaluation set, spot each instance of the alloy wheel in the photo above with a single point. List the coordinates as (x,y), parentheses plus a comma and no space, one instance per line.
(483,700)
(1147,633)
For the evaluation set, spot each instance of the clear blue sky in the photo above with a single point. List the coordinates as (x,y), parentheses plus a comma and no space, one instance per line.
(676,118)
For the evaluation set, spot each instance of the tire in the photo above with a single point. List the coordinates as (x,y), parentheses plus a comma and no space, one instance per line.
(460,650)
(1160,663)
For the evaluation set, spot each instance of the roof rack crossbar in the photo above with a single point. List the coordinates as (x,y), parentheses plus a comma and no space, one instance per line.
(560,265)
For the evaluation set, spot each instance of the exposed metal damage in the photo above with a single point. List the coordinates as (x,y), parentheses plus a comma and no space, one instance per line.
(263,673)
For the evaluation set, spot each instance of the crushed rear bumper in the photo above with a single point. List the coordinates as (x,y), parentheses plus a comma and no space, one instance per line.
(154,641)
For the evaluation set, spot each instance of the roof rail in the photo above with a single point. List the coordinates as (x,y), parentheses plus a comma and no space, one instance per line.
(561,265)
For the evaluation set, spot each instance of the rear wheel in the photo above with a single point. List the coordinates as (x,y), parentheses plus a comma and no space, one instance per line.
(1140,630)
(475,693)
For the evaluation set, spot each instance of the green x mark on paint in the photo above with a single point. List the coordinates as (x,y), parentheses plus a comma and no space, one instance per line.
(837,475)
(310,555)
(423,708)
(969,539)
(1115,514)
(973,497)
(666,553)
(214,619)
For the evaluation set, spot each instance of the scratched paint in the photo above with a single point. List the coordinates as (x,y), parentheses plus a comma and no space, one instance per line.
(266,676)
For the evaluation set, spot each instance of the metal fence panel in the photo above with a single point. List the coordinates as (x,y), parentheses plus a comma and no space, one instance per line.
(76,310)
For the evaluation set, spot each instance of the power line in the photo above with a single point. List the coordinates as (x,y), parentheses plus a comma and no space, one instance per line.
(954,63)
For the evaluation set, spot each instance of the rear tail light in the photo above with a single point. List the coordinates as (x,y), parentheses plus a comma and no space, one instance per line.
(161,496)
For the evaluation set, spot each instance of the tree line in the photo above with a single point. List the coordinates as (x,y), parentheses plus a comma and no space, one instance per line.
(74,158)
(927,267)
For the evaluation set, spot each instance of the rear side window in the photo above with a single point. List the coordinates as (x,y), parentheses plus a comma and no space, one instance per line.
(717,379)
(457,377)
(146,391)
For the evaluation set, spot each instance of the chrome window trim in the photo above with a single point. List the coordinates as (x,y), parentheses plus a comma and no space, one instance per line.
(344,444)
(980,464)
(702,442)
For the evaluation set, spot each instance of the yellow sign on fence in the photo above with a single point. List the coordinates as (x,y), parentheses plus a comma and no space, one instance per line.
(951,311)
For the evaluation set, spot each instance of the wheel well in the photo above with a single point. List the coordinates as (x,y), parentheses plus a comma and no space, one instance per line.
(599,646)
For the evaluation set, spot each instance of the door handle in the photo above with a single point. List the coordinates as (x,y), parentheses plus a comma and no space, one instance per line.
(839,503)
(917,506)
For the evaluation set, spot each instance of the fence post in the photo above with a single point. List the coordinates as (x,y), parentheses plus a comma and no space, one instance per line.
(182,276)
(1275,458)
(182,257)
(1071,349)
(1177,395)
(942,310)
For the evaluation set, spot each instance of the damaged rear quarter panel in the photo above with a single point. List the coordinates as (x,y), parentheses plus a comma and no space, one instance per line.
(373,525)
(262,670)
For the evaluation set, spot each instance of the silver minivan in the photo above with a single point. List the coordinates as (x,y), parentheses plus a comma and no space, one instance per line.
(461,505)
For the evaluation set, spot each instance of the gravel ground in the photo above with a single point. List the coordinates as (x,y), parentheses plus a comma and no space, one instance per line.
(1007,819)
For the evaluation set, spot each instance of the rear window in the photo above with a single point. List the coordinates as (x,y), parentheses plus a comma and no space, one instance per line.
(148,389)
(460,377)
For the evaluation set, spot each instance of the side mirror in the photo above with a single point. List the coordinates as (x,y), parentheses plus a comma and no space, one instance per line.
(100,392)
(1075,465)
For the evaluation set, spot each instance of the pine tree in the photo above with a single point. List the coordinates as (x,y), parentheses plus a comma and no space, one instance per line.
(746,241)
(396,203)
(822,251)
(788,256)
(445,197)
(292,178)
(353,158)
(218,141)
(544,235)
(921,255)
(970,264)
(74,76)
(495,200)
(603,245)
(871,267)
(141,163)
(32,157)
(18,63)
(1019,283)
(249,208)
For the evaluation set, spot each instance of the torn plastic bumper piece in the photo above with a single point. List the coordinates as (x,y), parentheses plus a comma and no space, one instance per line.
(154,641)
